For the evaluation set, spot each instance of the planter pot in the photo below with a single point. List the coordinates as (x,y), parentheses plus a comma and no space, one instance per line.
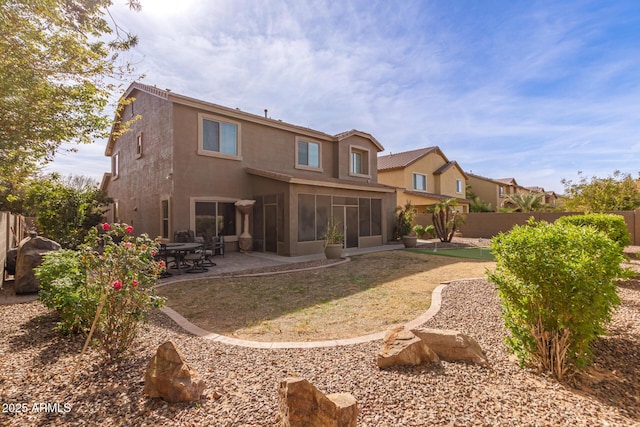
(410,241)
(333,251)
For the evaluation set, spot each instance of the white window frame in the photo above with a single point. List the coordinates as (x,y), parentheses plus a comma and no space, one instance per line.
(298,165)
(366,161)
(501,191)
(204,152)
(459,186)
(415,182)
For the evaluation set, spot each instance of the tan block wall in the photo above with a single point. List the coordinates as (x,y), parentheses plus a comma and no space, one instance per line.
(489,224)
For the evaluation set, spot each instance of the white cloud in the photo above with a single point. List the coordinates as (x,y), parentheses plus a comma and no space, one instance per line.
(536,91)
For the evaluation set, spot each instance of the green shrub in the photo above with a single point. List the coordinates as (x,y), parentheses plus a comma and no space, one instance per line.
(123,267)
(612,225)
(118,292)
(63,288)
(557,285)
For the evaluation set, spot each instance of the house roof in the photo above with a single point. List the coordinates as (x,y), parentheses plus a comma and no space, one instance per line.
(535,189)
(406,158)
(352,132)
(508,181)
(435,196)
(327,182)
(484,178)
(442,169)
(168,95)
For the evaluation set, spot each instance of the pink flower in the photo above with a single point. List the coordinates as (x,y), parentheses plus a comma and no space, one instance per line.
(106,226)
(154,252)
(129,229)
(117,285)
(134,283)
(128,245)
(162,264)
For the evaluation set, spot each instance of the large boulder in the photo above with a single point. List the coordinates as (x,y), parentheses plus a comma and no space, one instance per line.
(302,404)
(30,253)
(170,377)
(401,347)
(452,345)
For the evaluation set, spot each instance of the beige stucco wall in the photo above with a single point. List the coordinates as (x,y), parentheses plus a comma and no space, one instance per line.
(139,193)
(171,168)
(486,190)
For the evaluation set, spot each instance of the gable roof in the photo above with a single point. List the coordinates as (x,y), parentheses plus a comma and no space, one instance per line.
(347,134)
(508,181)
(442,169)
(406,158)
(236,113)
(484,178)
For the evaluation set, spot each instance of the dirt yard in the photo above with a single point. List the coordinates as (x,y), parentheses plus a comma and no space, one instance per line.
(368,294)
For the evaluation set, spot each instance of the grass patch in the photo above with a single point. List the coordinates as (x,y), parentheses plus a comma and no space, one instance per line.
(369,294)
(470,253)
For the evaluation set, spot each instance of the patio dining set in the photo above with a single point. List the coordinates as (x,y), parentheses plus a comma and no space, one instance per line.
(189,253)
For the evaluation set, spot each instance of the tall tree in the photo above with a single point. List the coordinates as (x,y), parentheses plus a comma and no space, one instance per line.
(65,208)
(56,72)
(617,192)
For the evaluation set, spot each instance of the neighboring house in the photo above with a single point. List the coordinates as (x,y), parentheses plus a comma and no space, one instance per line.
(425,177)
(550,197)
(492,191)
(497,191)
(185,163)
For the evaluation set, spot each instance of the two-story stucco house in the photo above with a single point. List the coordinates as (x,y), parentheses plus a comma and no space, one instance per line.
(185,162)
(424,177)
(495,191)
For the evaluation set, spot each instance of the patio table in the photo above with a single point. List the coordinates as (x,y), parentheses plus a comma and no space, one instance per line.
(179,250)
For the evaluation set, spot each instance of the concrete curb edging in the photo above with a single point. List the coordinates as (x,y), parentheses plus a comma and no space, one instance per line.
(436,302)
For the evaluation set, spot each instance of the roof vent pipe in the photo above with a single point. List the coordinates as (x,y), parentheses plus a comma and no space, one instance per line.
(265,113)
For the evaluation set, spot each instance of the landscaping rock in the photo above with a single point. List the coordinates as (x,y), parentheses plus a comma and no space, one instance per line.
(402,347)
(301,404)
(30,253)
(170,377)
(452,345)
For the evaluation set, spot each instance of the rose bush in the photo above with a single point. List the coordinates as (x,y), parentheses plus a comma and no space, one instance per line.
(125,268)
(114,273)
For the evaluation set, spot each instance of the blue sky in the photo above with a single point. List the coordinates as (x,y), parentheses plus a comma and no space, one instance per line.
(534,90)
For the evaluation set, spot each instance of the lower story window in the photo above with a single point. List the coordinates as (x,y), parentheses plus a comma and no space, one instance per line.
(165,219)
(215,219)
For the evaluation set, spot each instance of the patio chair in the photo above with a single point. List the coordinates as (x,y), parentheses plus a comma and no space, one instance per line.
(184,236)
(196,260)
(208,250)
(217,245)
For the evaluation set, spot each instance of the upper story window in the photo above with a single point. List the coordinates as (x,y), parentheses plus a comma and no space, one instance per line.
(358,161)
(459,186)
(115,166)
(219,138)
(308,155)
(501,191)
(419,182)
(139,145)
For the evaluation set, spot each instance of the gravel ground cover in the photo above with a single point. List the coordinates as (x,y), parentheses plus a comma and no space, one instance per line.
(36,365)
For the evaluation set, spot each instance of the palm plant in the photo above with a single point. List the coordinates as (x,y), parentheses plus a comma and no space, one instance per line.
(445,219)
(525,202)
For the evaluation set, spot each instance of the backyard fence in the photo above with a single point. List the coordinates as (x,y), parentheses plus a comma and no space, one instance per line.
(489,224)
(13,228)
